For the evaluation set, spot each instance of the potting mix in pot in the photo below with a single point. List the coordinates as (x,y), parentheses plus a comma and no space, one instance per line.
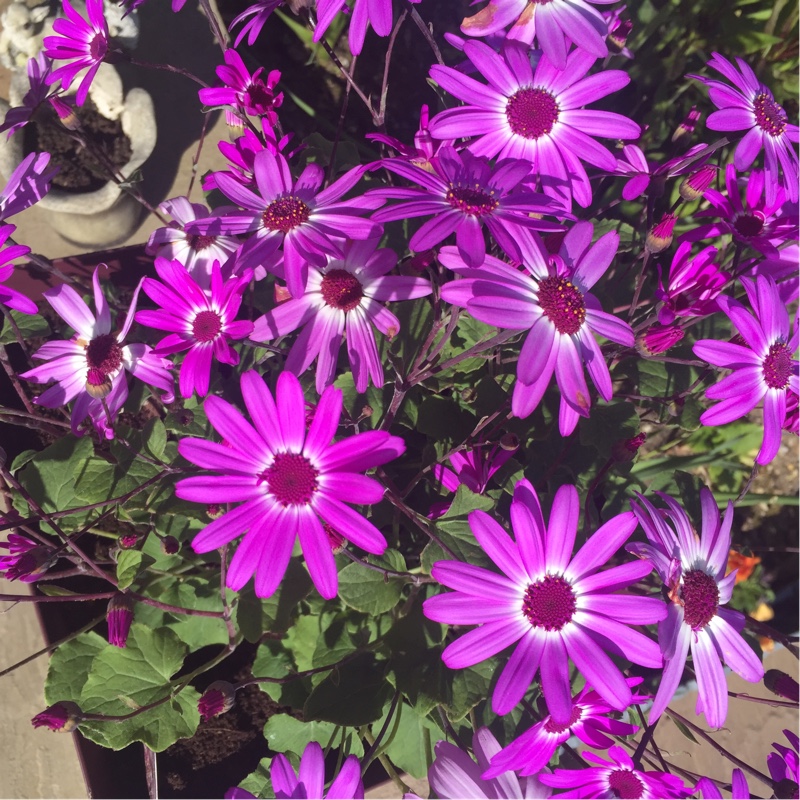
(449,433)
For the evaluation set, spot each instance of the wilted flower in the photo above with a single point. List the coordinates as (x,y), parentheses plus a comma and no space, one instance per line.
(781,684)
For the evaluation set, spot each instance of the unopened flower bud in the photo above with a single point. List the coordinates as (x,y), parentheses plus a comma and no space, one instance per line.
(685,131)
(214,510)
(660,236)
(170,545)
(626,450)
(781,684)
(128,541)
(218,698)
(658,339)
(619,36)
(66,113)
(62,717)
(509,442)
(98,384)
(119,616)
(694,186)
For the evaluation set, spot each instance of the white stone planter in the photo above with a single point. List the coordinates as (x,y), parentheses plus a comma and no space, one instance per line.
(108,215)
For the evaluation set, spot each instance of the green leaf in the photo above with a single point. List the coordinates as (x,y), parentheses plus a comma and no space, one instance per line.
(285,734)
(195,631)
(353,694)
(608,425)
(372,592)
(123,679)
(31,326)
(411,745)
(443,419)
(129,564)
(682,728)
(469,687)
(22,459)
(333,644)
(69,667)
(258,782)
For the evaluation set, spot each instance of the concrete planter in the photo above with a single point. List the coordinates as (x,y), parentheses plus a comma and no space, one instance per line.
(108,215)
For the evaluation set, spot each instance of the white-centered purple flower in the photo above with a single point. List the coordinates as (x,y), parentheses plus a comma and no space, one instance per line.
(293,214)
(202,322)
(535,114)
(463,193)
(8,296)
(90,367)
(551,300)
(287,476)
(555,606)
(345,298)
(749,106)
(693,569)
(764,367)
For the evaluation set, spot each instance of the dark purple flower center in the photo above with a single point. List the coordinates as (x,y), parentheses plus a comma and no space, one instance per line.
(341,289)
(549,603)
(285,213)
(103,356)
(786,788)
(625,783)
(551,726)
(98,47)
(532,112)
(206,326)
(258,96)
(292,479)
(562,303)
(700,598)
(198,242)
(472,200)
(749,225)
(777,366)
(770,117)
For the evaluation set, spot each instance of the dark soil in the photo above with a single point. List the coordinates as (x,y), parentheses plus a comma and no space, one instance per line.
(80,170)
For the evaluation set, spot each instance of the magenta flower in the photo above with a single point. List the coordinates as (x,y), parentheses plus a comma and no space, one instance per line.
(83,43)
(756,222)
(287,478)
(345,297)
(617,777)
(27,185)
(295,214)
(784,766)
(423,153)
(589,721)
(62,717)
(38,73)
(551,301)
(260,13)
(119,617)
(556,606)
(749,106)
(250,94)
(195,251)
(693,286)
(641,172)
(377,13)
(8,296)
(763,366)
(536,115)
(739,789)
(91,365)
(455,775)
(27,560)
(309,780)
(693,570)
(463,192)
(554,25)
(204,323)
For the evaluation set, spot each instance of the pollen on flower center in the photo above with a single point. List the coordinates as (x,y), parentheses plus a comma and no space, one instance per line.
(700,598)
(770,117)
(471,200)
(341,289)
(532,113)
(562,303)
(104,355)
(749,225)
(206,326)
(551,726)
(625,784)
(198,242)
(285,213)
(98,47)
(777,366)
(549,603)
(291,479)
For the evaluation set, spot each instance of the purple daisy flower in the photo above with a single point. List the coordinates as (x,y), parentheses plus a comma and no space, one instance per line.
(749,106)
(554,24)
(756,222)
(295,214)
(8,296)
(84,43)
(693,286)
(91,365)
(463,192)
(556,606)
(784,766)
(763,366)
(38,73)
(344,297)
(260,13)
(551,301)
(250,94)
(197,252)
(309,780)
(617,777)
(589,721)
(377,13)
(287,478)
(454,774)
(693,570)
(204,323)
(739,789)
(27,185)
(536,115)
